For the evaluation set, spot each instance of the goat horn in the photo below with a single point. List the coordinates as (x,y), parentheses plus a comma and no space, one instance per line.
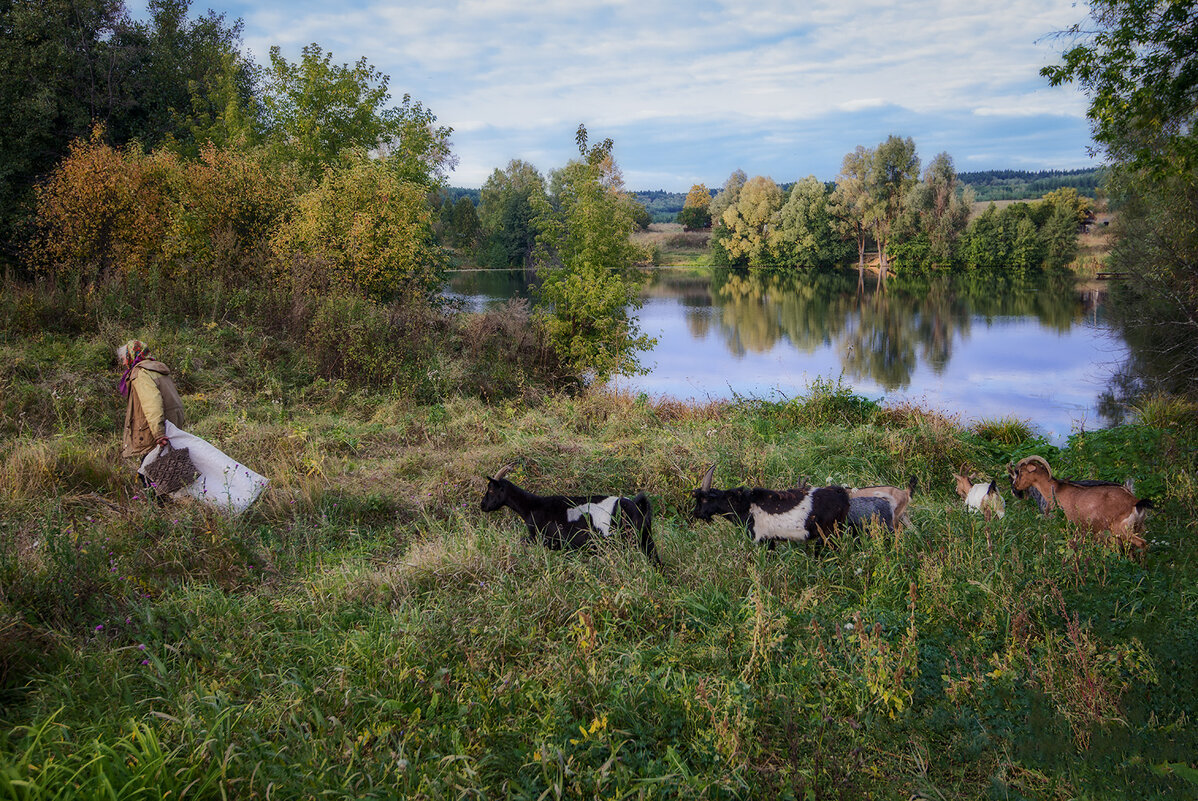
(503,471)
(1040,460)
(708,476)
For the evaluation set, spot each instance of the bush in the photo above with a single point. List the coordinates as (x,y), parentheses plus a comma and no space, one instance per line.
(362,228)
(357,340)
(102,211)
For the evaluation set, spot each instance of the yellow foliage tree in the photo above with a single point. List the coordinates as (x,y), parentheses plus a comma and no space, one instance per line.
(362,228)
(748,219)
(101,212)
(696,209)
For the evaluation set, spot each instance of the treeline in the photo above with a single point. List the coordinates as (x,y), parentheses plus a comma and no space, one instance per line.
(987,185)
(881,203)
(1023,185)
(152,169)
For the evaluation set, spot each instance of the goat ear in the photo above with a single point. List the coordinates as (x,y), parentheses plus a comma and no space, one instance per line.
(707,477)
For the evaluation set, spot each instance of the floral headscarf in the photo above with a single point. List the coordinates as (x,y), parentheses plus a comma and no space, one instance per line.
(131,353)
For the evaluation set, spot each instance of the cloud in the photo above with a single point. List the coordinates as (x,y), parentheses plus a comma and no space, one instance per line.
(729,76)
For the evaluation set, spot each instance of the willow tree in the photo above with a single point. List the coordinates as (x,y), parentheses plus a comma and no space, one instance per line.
(850,202)
(803,232)
(894,172)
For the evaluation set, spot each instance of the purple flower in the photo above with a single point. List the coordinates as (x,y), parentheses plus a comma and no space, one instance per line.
(100,627)
(141,647)
(145,661)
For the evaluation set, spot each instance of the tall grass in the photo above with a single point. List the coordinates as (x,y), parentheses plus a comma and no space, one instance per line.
(364,631)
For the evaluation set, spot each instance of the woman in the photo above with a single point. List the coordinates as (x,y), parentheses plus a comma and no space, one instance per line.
(153,399)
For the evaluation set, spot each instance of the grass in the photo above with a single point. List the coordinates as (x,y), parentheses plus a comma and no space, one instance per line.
(672,246)
(364,631)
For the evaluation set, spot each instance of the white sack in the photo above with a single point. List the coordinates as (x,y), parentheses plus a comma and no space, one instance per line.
(223,483)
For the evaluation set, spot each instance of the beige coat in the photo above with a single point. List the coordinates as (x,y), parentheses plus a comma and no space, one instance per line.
(153,398)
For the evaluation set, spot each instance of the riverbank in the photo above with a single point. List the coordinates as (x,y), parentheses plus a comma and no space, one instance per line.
(365,631)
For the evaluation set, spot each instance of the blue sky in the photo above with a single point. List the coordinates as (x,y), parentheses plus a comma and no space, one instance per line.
(690,91)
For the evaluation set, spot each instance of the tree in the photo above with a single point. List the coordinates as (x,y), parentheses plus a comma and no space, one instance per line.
(588,264)
(1138,64)
(696,214)
(464,223)
(1067,198)
(803,233)
(894,172)
(1058,237)
(316,109)
(57,58)
(935,213)
(188,82)
(640,215)
(727,196)
(507,211)
(101,212)
(850,202)
(365,229)
(748,220)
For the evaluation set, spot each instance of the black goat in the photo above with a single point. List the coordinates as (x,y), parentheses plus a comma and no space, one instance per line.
(573,521)
(800,513)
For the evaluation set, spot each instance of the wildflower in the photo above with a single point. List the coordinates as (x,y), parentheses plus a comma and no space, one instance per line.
(141,647)
(848,626)
(100,627)
(145,661)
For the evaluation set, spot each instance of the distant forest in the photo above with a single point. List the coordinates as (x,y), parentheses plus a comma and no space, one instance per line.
(1024,185)
(987,185)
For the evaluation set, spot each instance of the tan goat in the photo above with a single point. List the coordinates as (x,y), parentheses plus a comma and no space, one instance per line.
(1097,508)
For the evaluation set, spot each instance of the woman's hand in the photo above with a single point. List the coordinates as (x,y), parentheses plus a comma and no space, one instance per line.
(163,442)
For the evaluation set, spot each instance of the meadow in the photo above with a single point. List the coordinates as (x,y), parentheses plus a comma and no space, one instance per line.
(364,631)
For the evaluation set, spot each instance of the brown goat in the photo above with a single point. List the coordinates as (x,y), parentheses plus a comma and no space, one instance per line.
(1104,507)
(899,499)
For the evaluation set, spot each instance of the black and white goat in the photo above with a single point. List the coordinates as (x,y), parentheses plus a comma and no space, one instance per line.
(796,514)
(563,522)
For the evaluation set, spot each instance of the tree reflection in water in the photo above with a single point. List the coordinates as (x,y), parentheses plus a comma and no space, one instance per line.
(879,335)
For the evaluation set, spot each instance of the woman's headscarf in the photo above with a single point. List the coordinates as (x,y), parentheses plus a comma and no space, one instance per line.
(130,354)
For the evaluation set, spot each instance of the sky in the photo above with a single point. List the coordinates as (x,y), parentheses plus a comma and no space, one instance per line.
(691,91)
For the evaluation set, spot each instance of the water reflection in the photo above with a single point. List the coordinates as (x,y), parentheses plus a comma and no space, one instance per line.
(982,345)
(879,336)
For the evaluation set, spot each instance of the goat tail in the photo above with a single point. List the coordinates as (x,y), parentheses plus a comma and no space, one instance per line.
(911,486)
(1144,503)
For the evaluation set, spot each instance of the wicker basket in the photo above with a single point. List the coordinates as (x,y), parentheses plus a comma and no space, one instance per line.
(172,470)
